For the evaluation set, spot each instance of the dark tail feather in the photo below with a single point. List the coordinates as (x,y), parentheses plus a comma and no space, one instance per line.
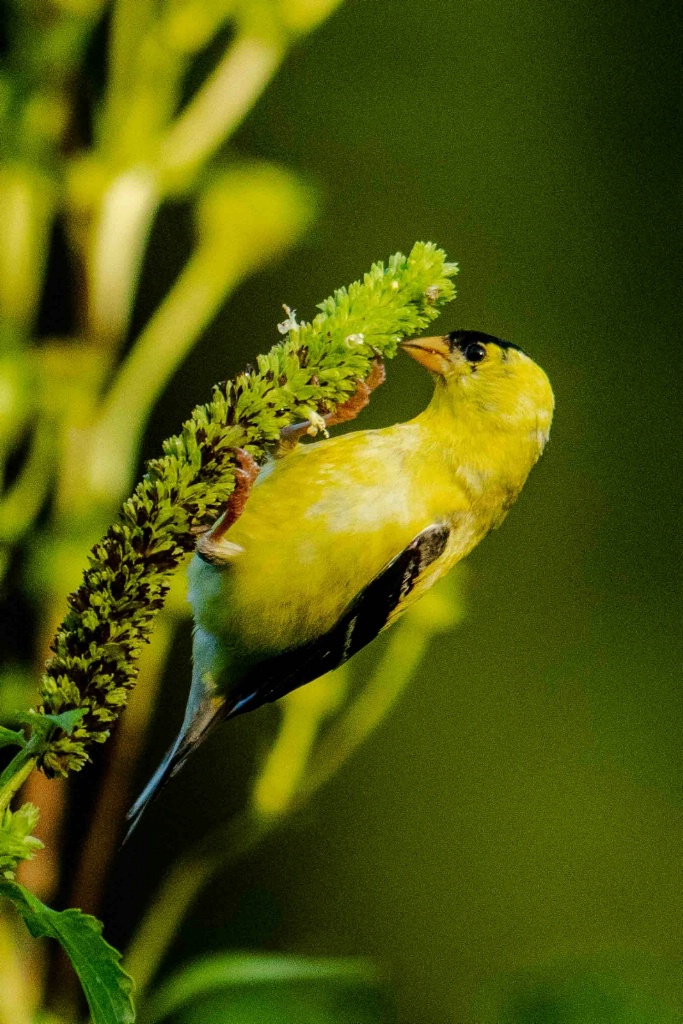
(192,734)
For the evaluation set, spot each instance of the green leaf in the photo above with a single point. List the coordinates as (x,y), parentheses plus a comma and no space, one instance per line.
(10,738)
(249,989)
(16,841)
(42,724)
(42,727)
(107,987)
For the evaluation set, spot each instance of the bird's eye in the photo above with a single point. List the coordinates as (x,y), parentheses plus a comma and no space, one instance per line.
(475,352)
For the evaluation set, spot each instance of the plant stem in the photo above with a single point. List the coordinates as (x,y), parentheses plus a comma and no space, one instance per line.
(219,106)
(187,309)
(15,1002)
(117,246)
(303,769)
(129,24)
(114,791)
(303,712)
(274,791)
(27,200)
(15,775)
(181,886)
(403,654)
(21,504)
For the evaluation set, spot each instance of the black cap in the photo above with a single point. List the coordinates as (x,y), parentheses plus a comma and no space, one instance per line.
(461,339)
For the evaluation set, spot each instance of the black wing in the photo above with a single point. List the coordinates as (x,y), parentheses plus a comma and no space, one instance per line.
(365,617)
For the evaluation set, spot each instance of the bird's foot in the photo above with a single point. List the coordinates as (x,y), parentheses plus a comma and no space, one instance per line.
(360,398)
(290,435)
(212,546)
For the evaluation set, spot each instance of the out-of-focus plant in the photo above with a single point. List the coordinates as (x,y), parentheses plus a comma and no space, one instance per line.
(246,989)
(322,724)
(604,989)
(72,412)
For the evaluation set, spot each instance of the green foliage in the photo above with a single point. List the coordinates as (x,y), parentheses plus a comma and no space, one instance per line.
(11,738)
(75,407)
(16,842)
(310,373)
(43,46)
(250,989)
(45,724)
(107,987)
(42,727)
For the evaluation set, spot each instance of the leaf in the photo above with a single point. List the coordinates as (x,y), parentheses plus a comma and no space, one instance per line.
(300,1004)
(107,987)
(42,724)
(10,738)
(16,841)
(243,988)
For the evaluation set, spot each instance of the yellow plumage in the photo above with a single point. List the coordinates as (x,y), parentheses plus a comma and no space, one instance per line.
(322,522)
(326,520)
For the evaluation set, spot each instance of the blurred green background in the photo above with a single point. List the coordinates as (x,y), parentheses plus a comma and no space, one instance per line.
(511,835)
(520,811)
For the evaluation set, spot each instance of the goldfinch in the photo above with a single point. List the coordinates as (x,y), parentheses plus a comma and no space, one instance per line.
(337,538)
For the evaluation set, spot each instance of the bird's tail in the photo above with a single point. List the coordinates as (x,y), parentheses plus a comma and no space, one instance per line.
(198,724)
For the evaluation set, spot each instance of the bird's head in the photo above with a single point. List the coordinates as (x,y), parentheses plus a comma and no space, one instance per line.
(489,378)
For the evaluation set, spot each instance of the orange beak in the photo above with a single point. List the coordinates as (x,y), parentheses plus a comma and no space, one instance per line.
(433,353)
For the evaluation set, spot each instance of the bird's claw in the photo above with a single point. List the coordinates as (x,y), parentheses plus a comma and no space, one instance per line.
(211,545)
(360,398)
(348,410)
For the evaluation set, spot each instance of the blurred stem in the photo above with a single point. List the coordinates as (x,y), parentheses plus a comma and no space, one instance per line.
(27,201)
(15,1000)
(113,796)
(291,775)
(404,652)
(181,886)
(302,714)
(129,23)
(114,791)
(116,251)
(281,775)
(222,102)
(187,309)
(22,503)
(243,218)
(14,776)
(41,875)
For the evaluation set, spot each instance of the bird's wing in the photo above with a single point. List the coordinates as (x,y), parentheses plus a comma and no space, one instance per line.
(365,617)
(369,612)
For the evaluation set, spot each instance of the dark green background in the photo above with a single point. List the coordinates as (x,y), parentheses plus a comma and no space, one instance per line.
(521,810)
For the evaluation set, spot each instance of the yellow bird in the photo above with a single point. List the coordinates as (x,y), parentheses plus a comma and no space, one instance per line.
(338,538)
